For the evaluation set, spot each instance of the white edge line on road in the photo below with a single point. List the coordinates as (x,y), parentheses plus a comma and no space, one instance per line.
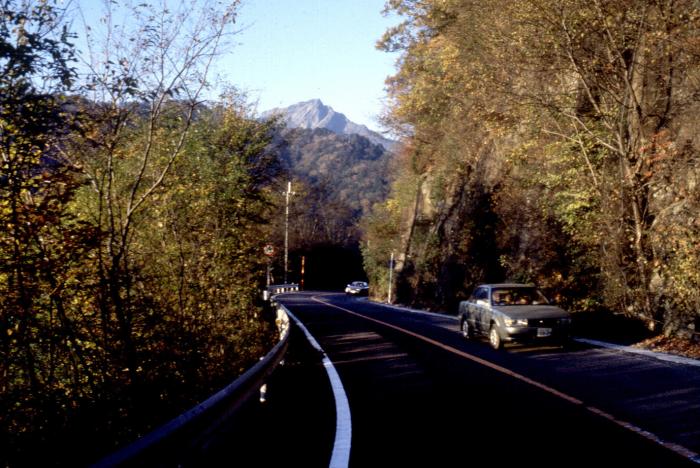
(679,449)
(340,457)
(601,344)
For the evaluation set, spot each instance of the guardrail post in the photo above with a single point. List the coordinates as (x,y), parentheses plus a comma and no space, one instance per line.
(263,393)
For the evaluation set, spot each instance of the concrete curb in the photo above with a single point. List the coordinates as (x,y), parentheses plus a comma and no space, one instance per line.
(644,352)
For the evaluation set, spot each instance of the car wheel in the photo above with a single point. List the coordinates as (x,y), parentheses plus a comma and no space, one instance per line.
(466,330)
(494,338)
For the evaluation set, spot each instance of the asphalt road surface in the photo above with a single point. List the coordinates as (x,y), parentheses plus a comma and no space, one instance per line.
(421,395)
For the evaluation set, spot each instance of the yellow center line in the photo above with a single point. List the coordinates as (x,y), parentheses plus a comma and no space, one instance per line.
(679,449)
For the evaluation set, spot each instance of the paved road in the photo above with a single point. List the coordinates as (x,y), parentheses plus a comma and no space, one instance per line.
(294,427)
(420,395)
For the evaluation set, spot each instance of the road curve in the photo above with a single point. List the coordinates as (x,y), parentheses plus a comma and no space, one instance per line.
(420,395)
(340,455)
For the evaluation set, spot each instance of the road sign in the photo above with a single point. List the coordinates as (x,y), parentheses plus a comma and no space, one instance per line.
(269,250)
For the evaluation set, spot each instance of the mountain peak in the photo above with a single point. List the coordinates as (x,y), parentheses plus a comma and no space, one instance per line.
(315,114)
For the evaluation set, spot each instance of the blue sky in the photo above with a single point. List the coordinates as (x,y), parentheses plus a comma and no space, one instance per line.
(287,51)
(295,50)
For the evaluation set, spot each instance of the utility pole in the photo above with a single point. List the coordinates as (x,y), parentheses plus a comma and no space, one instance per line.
(391,271)
(286,229)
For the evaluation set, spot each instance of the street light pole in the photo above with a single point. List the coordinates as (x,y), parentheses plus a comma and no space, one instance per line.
(391,271)
(286,229)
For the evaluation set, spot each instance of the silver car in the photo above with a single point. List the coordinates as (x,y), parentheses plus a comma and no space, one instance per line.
(513,313)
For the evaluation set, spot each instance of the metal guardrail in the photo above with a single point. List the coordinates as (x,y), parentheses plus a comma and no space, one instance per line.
(186,435)
(275,289)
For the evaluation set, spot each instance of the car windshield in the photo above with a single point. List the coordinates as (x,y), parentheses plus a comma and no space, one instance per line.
(360,284)
(517,296)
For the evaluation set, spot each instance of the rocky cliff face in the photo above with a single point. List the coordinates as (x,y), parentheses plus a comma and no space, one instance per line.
(314,114)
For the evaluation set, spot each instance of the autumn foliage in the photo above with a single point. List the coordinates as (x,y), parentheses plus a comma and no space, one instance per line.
(131,214)
(547,142)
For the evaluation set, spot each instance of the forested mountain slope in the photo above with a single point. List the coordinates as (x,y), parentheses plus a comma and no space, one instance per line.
(350,166)
(336,179)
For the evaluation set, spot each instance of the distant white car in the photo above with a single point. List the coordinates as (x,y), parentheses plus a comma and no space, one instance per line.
(357,288)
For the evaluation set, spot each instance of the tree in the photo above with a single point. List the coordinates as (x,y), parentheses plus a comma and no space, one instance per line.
(43,248)
(146,83)
(567,125)
(628,69)
(200,262)
(131,215)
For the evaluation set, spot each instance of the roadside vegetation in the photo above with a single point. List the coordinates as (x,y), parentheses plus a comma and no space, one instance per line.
(132,216)
(546,142)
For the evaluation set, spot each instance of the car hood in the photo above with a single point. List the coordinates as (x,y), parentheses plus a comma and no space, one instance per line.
(533,311)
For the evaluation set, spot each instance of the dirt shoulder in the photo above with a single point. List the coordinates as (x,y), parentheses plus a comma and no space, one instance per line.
(618,329)
(677,346)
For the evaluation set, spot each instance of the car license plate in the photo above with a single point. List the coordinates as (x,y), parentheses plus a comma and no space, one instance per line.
(543,332)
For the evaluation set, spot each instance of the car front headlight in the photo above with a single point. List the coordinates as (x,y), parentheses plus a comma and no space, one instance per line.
(511,322)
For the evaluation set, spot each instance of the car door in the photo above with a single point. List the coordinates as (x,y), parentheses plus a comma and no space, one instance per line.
(489,311)
(478,308)
(469,312)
